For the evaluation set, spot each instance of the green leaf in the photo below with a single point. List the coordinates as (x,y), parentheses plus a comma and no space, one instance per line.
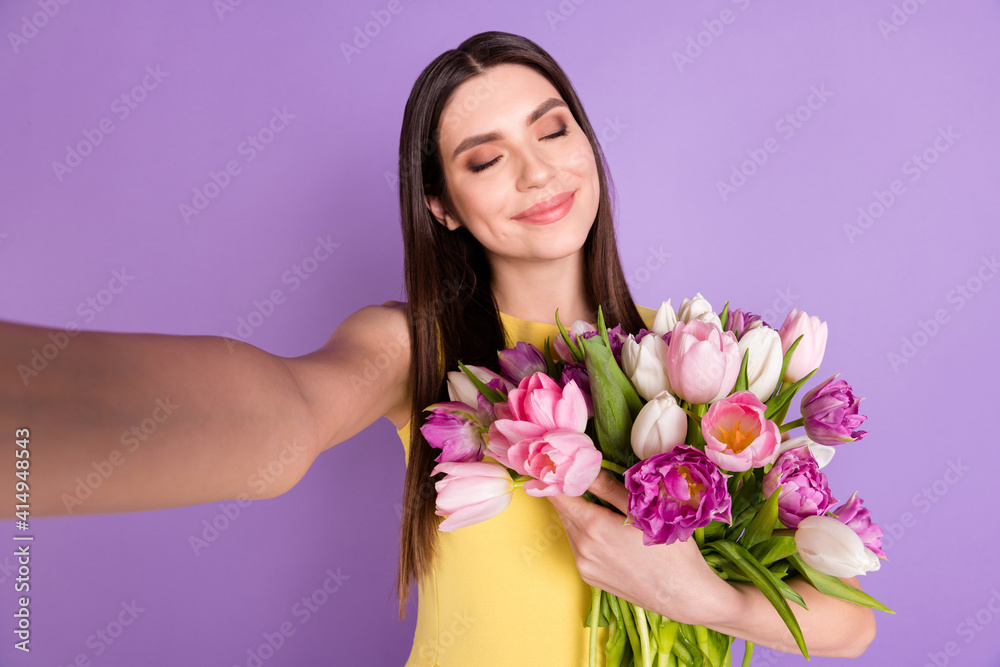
(550,364)
(492,395)
(574,348)
(784,367)
(612,410)
(741,379)
(743,494)
(602,328)
(777,406)
(724,316)
(773,588)
(834,586)
(763,523)
(774,549)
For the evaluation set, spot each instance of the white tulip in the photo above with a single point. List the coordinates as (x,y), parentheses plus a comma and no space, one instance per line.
(764,364)
(645,364)
(665,319)
(828,546)
(822,453)
(659,426)
(460,387)
(691,308)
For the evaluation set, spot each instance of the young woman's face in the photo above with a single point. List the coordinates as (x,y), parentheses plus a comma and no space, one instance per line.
(508,143)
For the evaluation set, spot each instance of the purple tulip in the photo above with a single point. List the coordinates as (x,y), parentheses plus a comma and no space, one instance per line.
(856,516)
(617,338)
(577,372)
(740,322)
(804,488)
(520,361)
(577,329)
(671,495)
(830,413)
(457,430)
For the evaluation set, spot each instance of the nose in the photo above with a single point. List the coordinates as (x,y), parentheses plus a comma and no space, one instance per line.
(535,170)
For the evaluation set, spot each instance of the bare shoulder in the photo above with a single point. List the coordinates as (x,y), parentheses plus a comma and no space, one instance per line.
(359,374)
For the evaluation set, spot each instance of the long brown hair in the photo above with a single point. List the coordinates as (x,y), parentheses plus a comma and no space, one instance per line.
(448,282)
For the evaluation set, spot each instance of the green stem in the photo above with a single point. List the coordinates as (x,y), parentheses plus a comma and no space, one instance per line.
(667,633)
(643,627)
(793,424)
(613,467)
(701,632)
(520,480)
(633,638)
(595,611)
(748,654)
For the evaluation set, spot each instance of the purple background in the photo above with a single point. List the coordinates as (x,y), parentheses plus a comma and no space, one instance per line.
(671,132)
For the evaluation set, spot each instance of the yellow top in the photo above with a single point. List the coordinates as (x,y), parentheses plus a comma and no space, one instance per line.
(506,591)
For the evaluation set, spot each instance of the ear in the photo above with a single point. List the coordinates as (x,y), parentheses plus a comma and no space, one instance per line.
(442,216)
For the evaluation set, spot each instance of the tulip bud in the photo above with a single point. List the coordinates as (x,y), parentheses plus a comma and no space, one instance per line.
(471,492)
(520,361)
(460,387)
(809,353)
(702,362)
(764,362)
(692,308)
(659,426)
(830,547)
(645,364)
(665,319)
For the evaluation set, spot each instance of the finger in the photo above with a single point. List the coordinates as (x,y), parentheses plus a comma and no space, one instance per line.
(610,489)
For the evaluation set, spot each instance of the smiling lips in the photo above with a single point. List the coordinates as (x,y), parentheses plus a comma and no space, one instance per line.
(547,211)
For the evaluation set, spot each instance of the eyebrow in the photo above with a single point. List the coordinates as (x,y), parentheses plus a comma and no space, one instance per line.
(475,140)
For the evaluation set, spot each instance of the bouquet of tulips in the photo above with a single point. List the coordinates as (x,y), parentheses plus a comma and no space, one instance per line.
(691,415)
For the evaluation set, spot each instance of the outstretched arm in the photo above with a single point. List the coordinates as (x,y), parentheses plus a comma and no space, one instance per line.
(125,422)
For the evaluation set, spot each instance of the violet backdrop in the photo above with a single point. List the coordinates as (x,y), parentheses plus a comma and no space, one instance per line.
(745,140)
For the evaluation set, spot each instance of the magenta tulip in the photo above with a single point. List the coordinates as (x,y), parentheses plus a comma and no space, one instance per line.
(457,430)
(671,495)
(830,413)
(804,488)
(857,517)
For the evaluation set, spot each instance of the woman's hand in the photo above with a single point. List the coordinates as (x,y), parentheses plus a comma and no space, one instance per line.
(672,580)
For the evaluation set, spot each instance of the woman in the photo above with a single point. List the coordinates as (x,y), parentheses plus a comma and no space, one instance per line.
(506,216)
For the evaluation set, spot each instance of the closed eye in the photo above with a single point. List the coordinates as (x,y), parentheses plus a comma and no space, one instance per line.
(481,167)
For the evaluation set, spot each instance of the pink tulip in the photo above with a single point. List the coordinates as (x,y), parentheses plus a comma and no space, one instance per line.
(702,361)
(809,353)
(471,492)
(561,461)
(737,436)
(540,400)
(538,405)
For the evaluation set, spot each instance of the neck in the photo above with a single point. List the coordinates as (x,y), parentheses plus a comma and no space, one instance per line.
(533,290)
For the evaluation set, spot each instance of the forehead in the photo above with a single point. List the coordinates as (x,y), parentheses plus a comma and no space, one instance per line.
(502,96)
